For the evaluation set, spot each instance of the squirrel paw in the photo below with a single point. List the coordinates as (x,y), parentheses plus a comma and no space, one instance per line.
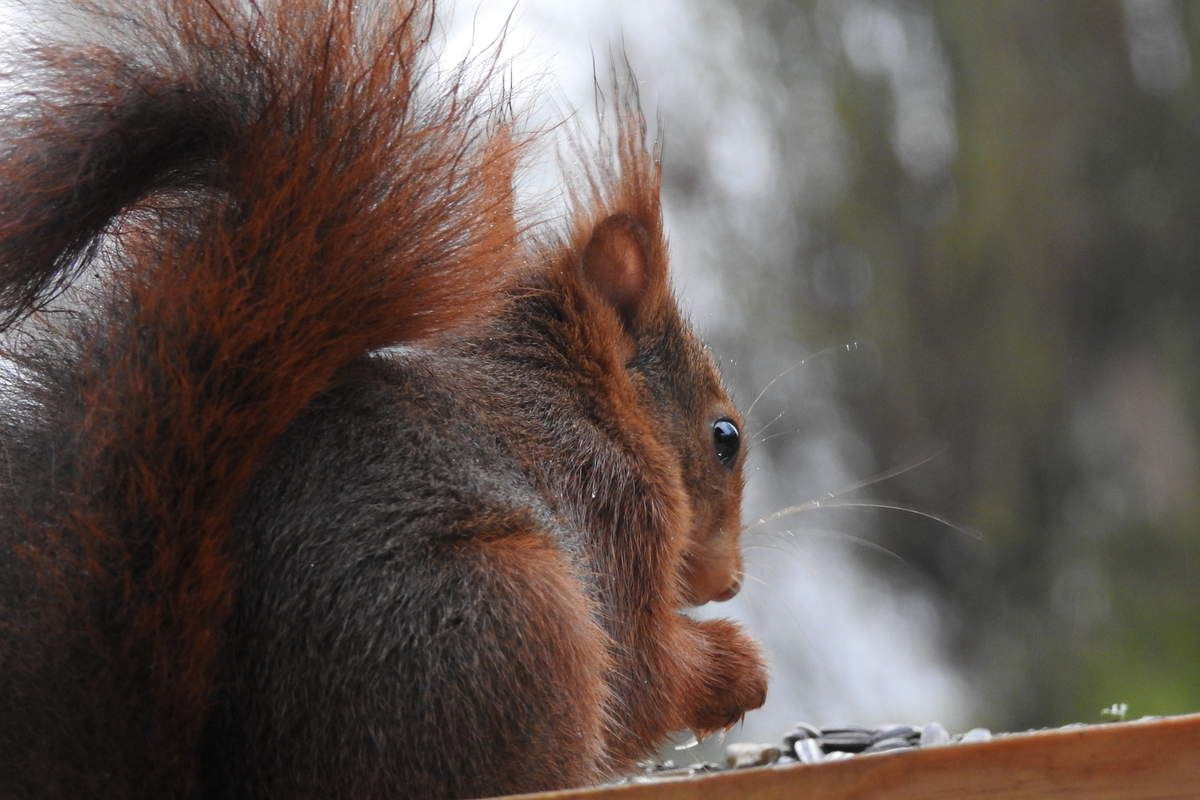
(736,681)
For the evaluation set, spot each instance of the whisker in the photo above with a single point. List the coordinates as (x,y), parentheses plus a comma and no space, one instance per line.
(848,346)
(757,580)
(774,548)
(764,428)
(839,535)
(777,434)
(814,505)
(888,474)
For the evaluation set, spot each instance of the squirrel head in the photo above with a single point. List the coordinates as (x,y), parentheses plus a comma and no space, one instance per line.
(679,392)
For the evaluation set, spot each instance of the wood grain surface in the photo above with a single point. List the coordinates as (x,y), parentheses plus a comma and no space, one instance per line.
(1143,760)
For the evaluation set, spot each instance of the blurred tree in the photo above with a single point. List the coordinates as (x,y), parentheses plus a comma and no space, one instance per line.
(1016,245)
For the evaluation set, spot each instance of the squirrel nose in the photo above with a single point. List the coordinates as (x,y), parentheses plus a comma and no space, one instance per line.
(730,591)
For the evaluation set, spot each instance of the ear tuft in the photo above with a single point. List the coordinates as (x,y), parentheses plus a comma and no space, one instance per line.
(617,263)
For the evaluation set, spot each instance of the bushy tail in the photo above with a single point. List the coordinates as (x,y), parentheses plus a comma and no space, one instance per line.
(267,192)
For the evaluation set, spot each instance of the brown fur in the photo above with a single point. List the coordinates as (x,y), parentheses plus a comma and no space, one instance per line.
(268,197)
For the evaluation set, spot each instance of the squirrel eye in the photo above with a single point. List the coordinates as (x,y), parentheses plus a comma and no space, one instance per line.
(725,440)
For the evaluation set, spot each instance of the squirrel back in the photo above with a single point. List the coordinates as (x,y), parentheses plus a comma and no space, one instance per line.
(335,486)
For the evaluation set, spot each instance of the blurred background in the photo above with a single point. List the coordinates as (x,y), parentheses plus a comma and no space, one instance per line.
(948,254)
(957,242)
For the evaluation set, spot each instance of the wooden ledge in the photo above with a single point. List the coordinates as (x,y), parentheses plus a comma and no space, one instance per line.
(1142,760)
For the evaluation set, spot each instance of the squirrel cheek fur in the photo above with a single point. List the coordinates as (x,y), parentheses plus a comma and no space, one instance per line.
(665,398)
(340,487)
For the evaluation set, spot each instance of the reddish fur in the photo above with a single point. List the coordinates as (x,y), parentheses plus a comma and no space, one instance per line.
(228,349)
(556,609)
(275,338)
(672,672)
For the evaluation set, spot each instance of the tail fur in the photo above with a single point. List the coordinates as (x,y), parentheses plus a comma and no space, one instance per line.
(271,190)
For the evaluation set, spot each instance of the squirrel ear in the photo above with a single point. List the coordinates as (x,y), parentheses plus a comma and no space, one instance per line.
(617,262)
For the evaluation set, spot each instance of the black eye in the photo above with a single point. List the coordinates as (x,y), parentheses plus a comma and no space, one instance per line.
(725,441)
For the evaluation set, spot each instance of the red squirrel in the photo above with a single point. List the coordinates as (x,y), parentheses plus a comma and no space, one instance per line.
(334,481)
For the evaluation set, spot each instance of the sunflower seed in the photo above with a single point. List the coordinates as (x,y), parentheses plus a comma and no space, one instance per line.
(934,735)
(751,755)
